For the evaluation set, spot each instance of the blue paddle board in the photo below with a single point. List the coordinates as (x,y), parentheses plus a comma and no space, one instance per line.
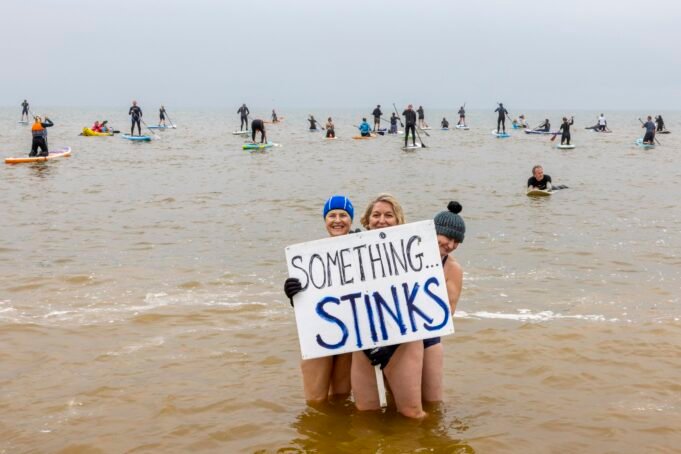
(137,138)
(647,146)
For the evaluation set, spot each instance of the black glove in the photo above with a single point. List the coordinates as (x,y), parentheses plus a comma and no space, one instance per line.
(291,287)
(380,355)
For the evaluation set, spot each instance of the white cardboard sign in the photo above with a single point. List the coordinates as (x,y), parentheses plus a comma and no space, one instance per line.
(369,289)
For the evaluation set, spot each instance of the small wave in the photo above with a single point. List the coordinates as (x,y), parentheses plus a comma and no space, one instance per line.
(526,315)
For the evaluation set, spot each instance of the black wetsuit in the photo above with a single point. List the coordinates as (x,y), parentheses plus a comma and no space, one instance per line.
(258,125)
(501,119)
(244,112)
(40,140)
(649,136)
(445,124)
(377,117)
(546,127)
(409,125)
(532,182)
(24,109)
(136,116)
(393,124)
(565,127)
(162,114)
(660,123)
(313,124)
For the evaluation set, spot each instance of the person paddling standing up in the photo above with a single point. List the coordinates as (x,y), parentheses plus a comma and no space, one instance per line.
(409,125)
(501,119)
(422,117)
(243,113)
(274,117)
(565,130)
(24,110)
(660,123)
(162,116)
(39,134)
(649,137)
(135,116)
(462,117)
(313,123)
(377,117)
(539,180)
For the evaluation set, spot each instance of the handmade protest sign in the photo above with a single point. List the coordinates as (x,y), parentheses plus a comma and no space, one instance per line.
(369,289)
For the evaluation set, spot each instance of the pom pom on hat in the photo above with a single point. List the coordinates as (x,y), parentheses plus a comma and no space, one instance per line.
(450,224)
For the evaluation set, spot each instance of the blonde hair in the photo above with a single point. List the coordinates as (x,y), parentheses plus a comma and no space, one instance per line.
(388,198)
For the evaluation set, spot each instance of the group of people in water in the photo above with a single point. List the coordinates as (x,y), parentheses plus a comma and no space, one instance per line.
(413,370)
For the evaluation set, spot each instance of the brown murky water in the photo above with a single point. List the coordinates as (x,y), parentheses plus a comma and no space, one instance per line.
(141,307)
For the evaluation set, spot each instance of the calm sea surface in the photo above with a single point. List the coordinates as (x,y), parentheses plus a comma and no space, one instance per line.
(141,302)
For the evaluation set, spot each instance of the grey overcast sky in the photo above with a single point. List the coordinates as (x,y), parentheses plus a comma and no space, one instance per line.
(578,54)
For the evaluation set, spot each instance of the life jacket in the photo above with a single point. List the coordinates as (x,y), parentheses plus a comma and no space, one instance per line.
(38,130)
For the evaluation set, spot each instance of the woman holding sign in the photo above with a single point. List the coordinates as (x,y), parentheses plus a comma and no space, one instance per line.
(328,376)
(451,230)
(401,364)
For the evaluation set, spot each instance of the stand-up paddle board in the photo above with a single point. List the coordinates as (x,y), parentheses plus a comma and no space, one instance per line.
(54,154)
(538,193)
(162,127)
(22,122)
(257,146)
(565,147)
(464,127)
(542,132)
(241,133)
(500,135)
(646,146)
(412,147)
(364,137)
(136,138)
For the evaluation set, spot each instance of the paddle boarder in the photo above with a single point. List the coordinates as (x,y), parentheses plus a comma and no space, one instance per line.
(501,119)
(136,117)
(545,127)
(602,123)
(565,130)
(258,125)
(649,137)
(330,129)
(365,128)
(39,133)
(243,112)
(539,180)
(422,118)
(313,123)
(274,117)
(462,117)
(660,123)
(393,123)
(409,125)
(24,110)
(444,123)
(162,116)
(377,117)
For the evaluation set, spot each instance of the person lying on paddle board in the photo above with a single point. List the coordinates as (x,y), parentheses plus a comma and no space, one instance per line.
(539,180)
(393,123)
(258,125)
(243,114)
(39,133)
(135,116)
(565,130)
(377,117)
(444,123)
(313,123)
(462,117)
(546,126)
(162,116)
(330,128)
(649,137)
(327,377)
(24,110)
(501,118)
(660,123)
(409,125)
(365,128)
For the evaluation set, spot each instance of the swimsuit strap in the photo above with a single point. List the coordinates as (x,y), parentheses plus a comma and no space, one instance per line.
(444,259)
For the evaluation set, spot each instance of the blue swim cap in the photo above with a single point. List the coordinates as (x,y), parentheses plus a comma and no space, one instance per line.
(339,202)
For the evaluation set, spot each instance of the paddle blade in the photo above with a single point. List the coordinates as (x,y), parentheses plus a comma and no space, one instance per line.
(553,137)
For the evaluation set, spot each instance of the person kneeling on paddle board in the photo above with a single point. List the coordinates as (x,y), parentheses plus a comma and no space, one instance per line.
(409,125)
(444,123)
(649,137)
(393,124)
(660,123)
(136,116)
(258,125)
(330,129)
(545,127)
(501,119)
(39,136)
(565,128)
(539,180)
(365,128)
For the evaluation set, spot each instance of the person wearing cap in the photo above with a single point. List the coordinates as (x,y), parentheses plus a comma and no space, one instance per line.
(451,230)
(401,363)
(136,116)
(377,117)
(539,180)
(409,124)
(243,114)
(327,377)
(39,133)
(364,128)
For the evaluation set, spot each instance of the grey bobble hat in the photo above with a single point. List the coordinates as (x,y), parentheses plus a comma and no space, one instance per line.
(450,224)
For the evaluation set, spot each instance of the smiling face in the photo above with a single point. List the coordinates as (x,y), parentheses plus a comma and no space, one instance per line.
(338,222)
(539,173)
(446,245)
(382,215)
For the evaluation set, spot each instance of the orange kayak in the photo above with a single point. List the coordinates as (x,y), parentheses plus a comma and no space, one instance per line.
(363,137)
(61,153)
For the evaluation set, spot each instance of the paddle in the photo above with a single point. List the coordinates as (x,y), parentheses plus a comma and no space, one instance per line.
(398,115)
(423,145)
(150,130)
(658,142)
(425,132)
(168,116)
